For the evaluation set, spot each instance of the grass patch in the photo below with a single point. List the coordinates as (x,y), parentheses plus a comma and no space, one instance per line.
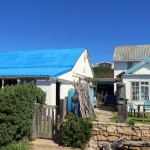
(21,145)
(133,119)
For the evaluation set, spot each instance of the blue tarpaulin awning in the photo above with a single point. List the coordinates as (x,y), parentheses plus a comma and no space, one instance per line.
(38,62)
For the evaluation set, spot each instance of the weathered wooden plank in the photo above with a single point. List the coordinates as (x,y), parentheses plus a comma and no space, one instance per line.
(53,127)
(44,122)
(41,123)
(62,110)
(37,122)
(49,135)
(136,144)
(34,125)
(56,120)
(49,106)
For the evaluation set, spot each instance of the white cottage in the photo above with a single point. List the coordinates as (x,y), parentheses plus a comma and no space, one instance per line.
(54,71)
(133,63)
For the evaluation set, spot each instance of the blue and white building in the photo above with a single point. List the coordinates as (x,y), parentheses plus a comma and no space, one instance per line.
(54,71)
(133,63)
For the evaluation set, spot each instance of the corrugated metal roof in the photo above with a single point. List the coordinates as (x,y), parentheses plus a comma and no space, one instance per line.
(38,62)
(131,53)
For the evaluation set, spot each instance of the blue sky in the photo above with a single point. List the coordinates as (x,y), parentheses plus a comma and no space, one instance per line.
(98,25)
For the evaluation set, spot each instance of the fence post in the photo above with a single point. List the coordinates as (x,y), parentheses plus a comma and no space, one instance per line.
(121,103)
(62,110)
(34,126)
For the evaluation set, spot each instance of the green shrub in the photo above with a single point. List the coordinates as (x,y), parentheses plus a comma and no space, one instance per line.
(17,107)
(130,122)
(76,131)
(21,145)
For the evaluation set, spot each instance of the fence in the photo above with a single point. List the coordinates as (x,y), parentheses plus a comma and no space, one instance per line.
(47,120)
(45,123)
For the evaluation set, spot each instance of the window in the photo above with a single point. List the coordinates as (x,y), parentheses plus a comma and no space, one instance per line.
(129,65)
(144,91)
(139,91)
(135,91)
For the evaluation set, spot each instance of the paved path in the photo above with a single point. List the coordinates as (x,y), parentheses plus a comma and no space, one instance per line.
(104,113)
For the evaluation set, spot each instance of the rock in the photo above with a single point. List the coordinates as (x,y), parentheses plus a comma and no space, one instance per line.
(102,138)
(102,128)
(124,130)
(95,132)
(137,133)
(144,128)
(114,134)
(146,139)
(112,138)
(135,138)
(145,133)
(127,137)
(111,129)
(94,138)
(93,144)
(100,143)
(95,129)
(103,133)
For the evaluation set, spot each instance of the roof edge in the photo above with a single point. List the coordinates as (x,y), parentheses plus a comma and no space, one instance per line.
(132,69)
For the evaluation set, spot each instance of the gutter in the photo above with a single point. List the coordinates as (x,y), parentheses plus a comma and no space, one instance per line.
(45,77)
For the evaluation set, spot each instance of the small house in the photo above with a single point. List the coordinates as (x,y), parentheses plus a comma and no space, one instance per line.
(54,71)
(132,64)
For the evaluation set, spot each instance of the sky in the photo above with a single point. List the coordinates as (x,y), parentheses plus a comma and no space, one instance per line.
(98,25)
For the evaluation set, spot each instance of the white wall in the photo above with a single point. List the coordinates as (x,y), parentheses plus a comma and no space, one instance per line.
(67,76)
(121,66)
(82,67)
(64,88)
(50,88)
(128,79)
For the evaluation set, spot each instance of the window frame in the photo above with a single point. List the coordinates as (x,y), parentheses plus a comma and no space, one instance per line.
(140,93)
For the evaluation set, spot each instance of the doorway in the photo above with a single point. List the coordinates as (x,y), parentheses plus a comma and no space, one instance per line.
(57,93)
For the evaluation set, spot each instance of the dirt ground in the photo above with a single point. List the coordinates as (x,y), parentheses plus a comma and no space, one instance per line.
(103,114)
(46,144)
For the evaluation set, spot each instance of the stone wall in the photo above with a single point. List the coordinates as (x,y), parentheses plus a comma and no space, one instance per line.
(103,132)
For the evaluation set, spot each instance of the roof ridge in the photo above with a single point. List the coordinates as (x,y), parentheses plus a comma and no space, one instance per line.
(18,50)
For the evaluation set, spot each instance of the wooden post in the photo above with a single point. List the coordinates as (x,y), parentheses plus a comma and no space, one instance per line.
(34,127)
(121,103)
(121,92)
(62,110)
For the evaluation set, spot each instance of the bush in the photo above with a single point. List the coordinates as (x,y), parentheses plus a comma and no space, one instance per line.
(131,122)
(21,145)
(17,107)
(76,131)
